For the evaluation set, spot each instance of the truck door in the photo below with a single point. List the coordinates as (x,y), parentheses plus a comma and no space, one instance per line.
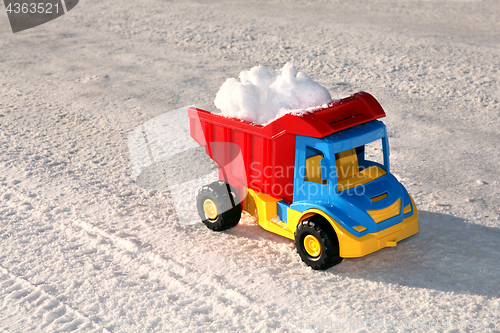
(311,171)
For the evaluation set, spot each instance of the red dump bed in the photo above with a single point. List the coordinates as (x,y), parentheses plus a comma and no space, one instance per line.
(263,157)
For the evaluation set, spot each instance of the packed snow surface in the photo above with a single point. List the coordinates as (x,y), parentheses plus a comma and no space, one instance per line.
(84,248)
(261,97)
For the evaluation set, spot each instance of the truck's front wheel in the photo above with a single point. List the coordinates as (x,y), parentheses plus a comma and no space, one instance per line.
(317,243)
(218,206)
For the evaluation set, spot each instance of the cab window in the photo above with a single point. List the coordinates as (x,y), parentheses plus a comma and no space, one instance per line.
(313,172)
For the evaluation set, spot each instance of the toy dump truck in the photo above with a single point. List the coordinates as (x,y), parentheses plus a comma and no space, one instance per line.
(309,178)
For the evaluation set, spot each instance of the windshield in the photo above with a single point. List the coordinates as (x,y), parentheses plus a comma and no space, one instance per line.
(374,153)
(360,165)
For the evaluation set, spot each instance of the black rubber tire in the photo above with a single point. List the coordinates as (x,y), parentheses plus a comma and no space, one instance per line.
(320,228)
(227,202)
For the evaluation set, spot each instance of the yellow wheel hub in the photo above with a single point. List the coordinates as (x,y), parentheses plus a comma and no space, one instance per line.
(210,209)
(312,246)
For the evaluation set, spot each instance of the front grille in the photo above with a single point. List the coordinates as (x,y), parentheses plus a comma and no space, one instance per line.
(386,213)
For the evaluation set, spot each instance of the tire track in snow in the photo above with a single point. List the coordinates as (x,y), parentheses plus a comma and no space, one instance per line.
(37,309)
(180,274)
(184,283)
(52,314)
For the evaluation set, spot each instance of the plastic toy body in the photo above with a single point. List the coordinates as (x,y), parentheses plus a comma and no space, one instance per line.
(308,178)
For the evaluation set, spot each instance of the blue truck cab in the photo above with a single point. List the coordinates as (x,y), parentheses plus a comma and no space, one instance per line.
(366,205)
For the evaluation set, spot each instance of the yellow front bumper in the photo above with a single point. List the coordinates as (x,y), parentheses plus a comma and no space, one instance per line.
(352,246)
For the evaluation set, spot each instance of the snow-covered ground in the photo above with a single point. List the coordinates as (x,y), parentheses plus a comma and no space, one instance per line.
(83,248)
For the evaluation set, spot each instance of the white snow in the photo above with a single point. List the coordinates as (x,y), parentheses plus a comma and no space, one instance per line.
(84,248)
(262,97)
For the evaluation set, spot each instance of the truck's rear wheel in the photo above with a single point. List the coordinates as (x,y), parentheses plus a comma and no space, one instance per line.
(218,206)
(317,243)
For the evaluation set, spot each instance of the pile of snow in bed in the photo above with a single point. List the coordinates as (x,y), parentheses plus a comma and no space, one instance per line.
(262,97)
